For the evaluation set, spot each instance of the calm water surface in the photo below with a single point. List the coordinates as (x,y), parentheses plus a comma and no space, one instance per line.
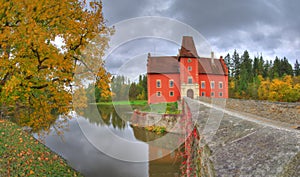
(82,155)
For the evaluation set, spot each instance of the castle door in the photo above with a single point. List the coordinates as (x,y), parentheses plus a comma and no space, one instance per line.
(190,93)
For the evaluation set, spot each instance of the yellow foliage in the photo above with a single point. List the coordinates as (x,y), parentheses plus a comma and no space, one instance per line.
(231,84)
(36,77)
(279,90)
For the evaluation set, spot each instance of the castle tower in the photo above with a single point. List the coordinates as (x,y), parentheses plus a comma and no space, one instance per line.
(188,64)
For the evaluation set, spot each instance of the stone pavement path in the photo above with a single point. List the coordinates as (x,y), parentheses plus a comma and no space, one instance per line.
(245,144)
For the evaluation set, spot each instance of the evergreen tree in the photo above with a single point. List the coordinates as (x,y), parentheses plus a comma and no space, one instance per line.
(261,66)
(255,66)
(133,91)
(246,74)
(275,70)
(266,69)
(145,86)
(286,67)
(229,63)
(236,65)
(120,88)
(297,68)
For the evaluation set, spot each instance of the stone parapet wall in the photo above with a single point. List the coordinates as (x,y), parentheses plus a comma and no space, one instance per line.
(242,147)
(279,111)
(170,121)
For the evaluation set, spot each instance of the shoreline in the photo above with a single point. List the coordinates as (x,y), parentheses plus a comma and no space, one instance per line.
(22,155)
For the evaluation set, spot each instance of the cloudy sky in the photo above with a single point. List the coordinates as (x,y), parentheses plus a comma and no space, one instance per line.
(270,27)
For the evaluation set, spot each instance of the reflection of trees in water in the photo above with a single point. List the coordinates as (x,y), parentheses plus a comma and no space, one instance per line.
(108,116)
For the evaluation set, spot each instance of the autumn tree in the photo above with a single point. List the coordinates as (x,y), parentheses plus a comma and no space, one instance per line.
(37,74)
(265,80)
(263,89)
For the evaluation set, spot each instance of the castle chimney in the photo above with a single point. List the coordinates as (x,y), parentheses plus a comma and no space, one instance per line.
(212,57)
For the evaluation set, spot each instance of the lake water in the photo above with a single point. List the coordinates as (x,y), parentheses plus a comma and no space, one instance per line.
(89,148)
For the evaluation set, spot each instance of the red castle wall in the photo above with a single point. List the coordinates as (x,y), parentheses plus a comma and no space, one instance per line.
(164,90)
(216,90)
(185,73)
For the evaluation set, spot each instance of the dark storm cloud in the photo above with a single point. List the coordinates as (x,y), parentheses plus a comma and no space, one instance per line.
(270,27)
(117,10)
(131,56)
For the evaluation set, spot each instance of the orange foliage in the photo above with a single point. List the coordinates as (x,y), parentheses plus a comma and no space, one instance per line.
(284,89)
(36,76)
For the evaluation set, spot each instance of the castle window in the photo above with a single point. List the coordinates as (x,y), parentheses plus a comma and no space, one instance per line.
(212,94)
(158,93)
(202,93)
(221,94)
(203,84)
(158,84)
(189,60)
(190,80)
(189,68)
(212,84)
(171,93)
(171,83)
(220,85)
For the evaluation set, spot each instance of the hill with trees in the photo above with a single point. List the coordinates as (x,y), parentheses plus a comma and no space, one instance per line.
(261,79)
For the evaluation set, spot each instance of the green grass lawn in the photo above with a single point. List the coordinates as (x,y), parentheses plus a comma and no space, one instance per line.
(135,102)
(23,155)
(169,108)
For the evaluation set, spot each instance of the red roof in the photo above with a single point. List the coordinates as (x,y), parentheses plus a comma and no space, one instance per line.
(170,64)
(209,66)
(163,64)
(188,48)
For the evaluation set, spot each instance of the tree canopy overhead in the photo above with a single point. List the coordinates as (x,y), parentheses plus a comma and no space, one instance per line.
(36,76)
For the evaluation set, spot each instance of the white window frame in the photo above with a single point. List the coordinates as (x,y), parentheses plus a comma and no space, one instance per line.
(220,94)
(158,93)
(170,93)
(158,81)
(221,84)
(203,86)
(190,78)
(202,93)
(189,68)
(212,94)
(170,83)
(212,84)
(189,60)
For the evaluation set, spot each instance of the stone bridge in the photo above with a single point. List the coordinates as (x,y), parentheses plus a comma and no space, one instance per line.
(249,138)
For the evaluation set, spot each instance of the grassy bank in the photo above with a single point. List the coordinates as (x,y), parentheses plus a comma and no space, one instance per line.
(23,155)
(135,102)
(142,105)
(167,108)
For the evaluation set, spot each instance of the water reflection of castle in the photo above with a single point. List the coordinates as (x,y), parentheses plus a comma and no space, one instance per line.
(169,163)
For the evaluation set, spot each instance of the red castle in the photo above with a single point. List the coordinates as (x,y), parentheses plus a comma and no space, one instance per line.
(170,78)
